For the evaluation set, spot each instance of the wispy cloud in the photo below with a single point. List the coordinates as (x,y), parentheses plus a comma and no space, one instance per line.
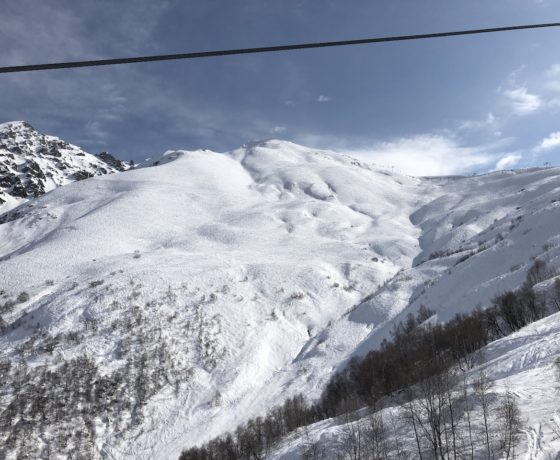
(522,102)
(554,71)
(96,130)
(323,98)
(508,161)
(41,32)
(87,103)
(488,125)
(552,141)
(425,155)
(553,78)
(420,155)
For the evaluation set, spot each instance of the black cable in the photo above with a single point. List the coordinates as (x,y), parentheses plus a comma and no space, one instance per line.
(265,49)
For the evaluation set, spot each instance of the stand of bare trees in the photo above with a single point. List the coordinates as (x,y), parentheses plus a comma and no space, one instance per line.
(54,408)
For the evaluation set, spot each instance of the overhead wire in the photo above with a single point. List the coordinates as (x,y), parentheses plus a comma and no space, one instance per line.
(265,49)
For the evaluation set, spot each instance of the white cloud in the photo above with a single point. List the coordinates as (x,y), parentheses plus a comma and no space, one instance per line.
(553,75)
(41,32)
(278,129)
(426,155)
(95,129)
(550,142)
(554,71)
(489,123)
(522,102)
(508,161)
(323,98)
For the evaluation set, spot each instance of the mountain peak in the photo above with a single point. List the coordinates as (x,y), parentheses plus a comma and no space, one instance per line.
(16,124)
(32,164)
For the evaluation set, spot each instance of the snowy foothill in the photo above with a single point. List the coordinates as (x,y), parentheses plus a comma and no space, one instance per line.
(228,282)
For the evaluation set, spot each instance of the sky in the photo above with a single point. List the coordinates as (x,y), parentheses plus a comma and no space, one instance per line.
(457,105)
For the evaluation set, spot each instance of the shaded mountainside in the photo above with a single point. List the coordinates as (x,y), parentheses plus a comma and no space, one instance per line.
(32,164)
(193,295)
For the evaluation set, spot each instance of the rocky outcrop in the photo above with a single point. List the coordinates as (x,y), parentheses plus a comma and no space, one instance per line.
(32,164)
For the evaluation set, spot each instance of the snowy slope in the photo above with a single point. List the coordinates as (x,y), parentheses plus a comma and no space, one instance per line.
(522,363)
(479,237)
(32,164)
(259,270)
(261,248)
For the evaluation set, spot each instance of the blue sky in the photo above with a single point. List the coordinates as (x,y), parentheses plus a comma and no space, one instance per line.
(454,105)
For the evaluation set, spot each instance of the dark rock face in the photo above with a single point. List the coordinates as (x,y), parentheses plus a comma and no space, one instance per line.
(109,159)
(81,175)
(32,164)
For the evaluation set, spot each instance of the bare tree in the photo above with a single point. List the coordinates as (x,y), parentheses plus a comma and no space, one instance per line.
(432,402)
(468,408)
(376,437)
(509,417)
(353,441)
(398,447)
(413,417)
(555,295)
(538,272)
(482,386)
(449,383)
(311,450)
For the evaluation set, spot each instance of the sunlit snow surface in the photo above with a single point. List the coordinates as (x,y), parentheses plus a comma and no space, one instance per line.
(522,363)
(292,259)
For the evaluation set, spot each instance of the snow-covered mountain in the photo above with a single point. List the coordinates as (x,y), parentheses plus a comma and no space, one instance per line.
(32,164)
(190,296)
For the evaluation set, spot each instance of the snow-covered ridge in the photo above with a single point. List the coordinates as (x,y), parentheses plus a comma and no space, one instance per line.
(230,281)
(32,164)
